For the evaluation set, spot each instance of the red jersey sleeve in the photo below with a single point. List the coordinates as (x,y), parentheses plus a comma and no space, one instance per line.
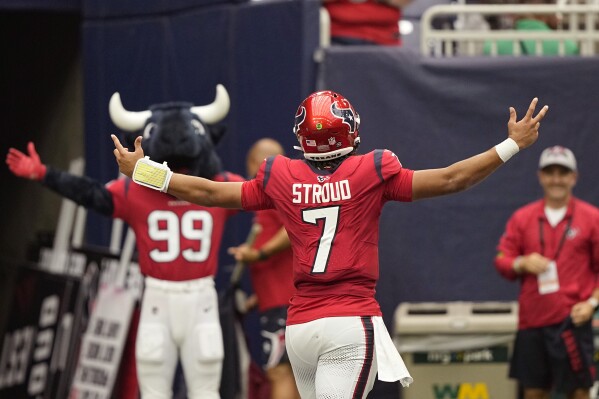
(398,179)
(253,196)
(509,249)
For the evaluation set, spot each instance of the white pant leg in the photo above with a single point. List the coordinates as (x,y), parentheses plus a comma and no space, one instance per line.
(304,346)
(155,351)
(333,358)
(202,351)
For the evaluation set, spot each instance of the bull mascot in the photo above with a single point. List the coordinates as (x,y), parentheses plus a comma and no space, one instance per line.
(177,242)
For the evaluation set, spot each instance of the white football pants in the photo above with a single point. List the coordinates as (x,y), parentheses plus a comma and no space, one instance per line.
(179,319)
(333,357)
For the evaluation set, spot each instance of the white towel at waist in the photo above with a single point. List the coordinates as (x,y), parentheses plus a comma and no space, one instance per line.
(391,366)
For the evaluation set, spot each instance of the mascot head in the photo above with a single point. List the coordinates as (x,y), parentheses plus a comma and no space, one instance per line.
(179,133)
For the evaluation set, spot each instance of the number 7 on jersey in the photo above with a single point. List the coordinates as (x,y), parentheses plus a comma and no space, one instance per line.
(330,215)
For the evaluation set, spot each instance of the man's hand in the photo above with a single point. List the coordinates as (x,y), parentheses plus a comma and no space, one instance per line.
(581,313)
(244,253)
(534,263)
(26,166)
(526,131)
(124,157)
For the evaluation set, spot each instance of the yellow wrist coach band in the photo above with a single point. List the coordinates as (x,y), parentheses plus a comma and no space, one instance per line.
(152,174)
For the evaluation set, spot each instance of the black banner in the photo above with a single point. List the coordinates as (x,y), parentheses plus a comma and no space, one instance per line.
(36,347)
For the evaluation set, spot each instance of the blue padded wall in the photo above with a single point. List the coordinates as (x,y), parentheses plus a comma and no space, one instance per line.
(262,53)
(137,8)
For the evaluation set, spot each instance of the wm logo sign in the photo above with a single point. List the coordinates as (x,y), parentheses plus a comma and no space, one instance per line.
(477,390)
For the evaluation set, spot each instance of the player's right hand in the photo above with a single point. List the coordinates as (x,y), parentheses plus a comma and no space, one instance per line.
(125,158)
(526,131)
(26,166)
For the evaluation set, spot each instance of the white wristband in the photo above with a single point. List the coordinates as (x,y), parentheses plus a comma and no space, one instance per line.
(152,174)
(507,149)
(169,174)
(594,302)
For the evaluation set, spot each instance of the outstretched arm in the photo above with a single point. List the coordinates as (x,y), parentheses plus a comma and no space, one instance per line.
(205,192)
(468,172)
(193,189)
(81,189)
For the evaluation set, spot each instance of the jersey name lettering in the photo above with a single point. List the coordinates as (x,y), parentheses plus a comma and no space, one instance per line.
(320,193)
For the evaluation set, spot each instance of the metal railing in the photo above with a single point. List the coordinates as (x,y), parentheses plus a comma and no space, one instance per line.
(580,20)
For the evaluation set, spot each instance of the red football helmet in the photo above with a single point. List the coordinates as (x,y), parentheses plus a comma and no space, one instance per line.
(326,126)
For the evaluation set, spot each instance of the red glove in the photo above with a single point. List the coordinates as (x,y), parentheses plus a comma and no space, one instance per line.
(28,167)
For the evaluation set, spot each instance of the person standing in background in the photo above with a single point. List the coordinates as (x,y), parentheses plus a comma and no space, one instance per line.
(365,21)
(271,270)
(551,246)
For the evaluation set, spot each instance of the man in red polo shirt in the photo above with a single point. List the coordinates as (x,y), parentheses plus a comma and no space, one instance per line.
(551,246)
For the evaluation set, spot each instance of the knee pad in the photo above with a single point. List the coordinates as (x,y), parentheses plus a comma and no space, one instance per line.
(151,343)
(208,342)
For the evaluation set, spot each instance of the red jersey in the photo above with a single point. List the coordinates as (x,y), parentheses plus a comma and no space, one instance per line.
(176,240)
(368,20)
(528,231)
(332,219)
(272,278)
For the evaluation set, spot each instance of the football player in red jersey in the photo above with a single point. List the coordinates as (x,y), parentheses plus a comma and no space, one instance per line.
(330,203)
(271,269)
(177,241)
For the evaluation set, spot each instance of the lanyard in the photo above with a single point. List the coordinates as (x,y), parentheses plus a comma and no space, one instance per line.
(562,240)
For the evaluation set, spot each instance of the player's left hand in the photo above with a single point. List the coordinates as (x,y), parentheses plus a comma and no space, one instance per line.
(581,313)
(526,131)
(125,158)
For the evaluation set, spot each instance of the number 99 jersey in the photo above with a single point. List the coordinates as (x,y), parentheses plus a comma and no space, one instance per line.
(332,219)
(176,240)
